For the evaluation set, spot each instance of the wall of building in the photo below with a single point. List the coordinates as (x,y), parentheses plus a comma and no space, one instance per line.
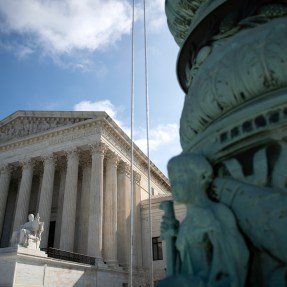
(156,216)
(21,267)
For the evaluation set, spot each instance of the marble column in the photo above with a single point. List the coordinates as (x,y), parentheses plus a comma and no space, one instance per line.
(46,194)
(23,198)
(95,233)
(63,172)
(70,202)
(110,210)
(137,220)
(124,210)
(4,188)
(84,208)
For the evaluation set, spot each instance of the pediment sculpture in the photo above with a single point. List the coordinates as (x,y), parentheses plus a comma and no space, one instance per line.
(22,127)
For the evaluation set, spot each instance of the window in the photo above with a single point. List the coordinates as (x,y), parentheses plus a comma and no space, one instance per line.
(157,248)
(152,191)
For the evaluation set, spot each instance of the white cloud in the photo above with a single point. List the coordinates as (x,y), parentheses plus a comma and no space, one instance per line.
(163,144)
(21,51)
(155,15)
(105,106)
(158,136)
(163,139)
(62,26)
(68,26)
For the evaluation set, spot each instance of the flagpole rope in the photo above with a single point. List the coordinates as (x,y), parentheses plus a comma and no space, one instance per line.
(147,138)
(132,155)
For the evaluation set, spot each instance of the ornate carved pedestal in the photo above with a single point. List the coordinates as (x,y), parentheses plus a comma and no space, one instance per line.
(233,67)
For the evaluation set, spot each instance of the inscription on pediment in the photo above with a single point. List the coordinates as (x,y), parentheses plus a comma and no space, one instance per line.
(25,126)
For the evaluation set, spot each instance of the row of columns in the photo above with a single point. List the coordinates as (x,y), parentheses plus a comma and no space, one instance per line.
(99,221)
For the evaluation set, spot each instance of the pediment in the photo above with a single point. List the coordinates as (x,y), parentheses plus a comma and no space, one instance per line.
(25,123)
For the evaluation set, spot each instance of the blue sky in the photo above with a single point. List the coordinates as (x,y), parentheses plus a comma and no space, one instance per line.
(76,55)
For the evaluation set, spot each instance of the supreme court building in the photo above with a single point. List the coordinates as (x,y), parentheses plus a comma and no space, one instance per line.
(73,168)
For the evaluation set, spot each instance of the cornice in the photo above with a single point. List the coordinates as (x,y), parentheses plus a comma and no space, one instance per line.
(119,140)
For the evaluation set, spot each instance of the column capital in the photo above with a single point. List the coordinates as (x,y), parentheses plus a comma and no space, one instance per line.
(5,169)
(49,158)
(98,148)
(124,167)
(27,163)
(72,152)
(136,177)
(113,158)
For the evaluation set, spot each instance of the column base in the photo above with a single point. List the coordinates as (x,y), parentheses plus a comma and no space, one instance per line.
(112,263)
(100,263)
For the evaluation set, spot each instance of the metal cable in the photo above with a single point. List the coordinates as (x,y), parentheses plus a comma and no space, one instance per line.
(132,149)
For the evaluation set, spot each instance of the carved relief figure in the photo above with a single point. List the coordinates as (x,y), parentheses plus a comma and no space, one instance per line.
(259,203)
(209,248)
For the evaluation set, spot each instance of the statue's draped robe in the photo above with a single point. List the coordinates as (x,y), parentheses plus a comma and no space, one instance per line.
(211,247)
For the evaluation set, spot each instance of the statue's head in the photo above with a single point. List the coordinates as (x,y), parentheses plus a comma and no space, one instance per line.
(31,217)
(189,173)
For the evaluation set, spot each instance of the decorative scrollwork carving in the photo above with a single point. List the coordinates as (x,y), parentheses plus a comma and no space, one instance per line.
(230,78)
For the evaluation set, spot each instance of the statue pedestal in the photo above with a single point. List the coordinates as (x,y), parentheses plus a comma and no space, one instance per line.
(33,243)
(13,258)
(20,250)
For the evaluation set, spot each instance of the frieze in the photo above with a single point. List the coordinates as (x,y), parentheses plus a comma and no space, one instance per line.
(70,137)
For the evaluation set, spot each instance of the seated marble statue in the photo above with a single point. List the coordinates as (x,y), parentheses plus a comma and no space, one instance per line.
(210,251)
(29,234)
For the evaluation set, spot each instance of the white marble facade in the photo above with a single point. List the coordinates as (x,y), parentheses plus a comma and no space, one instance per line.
(74,169)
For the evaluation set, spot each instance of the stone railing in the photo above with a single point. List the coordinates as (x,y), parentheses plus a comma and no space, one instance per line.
(70,256)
